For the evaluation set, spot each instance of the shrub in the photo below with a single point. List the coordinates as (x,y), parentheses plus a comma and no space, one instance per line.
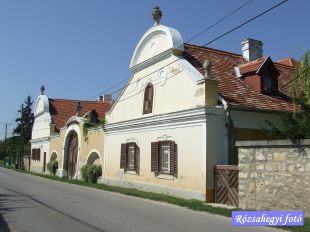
(52,166)
(90,173)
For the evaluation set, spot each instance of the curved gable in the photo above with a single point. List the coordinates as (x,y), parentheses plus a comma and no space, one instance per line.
(157,42)
(41,105)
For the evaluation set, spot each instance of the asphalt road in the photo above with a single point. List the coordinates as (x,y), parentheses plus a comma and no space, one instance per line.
(30,203)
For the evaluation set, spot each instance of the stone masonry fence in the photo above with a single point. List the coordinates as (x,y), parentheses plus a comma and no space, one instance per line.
(274,175)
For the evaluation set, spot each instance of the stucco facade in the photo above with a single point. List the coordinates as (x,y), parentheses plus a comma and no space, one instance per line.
(175,98)
(57,134)
(188,130)
(90,146)
(40,134)
(179,114)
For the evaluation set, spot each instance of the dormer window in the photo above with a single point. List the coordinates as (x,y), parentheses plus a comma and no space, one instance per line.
(262,75)
(268,84)
(148,99)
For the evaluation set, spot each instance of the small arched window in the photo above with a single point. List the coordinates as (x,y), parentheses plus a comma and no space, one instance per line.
(148,99)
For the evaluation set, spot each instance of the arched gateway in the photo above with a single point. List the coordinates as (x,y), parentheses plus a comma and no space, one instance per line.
(71,154)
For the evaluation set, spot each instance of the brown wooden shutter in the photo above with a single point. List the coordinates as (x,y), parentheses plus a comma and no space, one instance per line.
(145,102)
(154,156)
(172,152)
(148,99)
(39,154)
(173,158)
(36,154)
(137,159)
(123,161)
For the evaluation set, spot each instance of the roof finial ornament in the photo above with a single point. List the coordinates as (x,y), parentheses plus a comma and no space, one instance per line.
(42,89)
(207,65)
(156,15)
(78,108)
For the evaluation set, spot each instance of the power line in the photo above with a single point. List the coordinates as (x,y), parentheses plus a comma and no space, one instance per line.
(199,34)
(248,21)
(208,28)
(219,21)
(213,40)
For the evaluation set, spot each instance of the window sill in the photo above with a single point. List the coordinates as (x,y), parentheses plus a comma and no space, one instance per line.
(130,172)
(165,176)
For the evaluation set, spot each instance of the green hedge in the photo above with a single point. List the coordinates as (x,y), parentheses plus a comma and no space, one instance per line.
(52,166)
(90,173)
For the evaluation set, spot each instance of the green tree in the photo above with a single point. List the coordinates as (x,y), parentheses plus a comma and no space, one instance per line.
(26,121)
(12,147)
(301,84)
(296,125)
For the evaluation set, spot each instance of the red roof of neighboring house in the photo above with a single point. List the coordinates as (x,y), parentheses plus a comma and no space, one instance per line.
(288,61)
(235,91)
(62,110)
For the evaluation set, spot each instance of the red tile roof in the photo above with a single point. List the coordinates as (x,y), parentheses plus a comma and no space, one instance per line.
(252,66)
(235,91)
(62,109)
(288,61)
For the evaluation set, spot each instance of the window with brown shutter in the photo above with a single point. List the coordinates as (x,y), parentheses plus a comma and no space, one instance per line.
(148,99)
(130,160)
(36,154)
(154,157)
(164,157)
(123,156)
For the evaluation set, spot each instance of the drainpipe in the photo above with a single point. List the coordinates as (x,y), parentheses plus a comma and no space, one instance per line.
(231,139)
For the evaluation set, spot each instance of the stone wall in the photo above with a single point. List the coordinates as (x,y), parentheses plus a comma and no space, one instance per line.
(274,175)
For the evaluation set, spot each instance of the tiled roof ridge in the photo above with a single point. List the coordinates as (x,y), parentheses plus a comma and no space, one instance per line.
(254,62)
(284,65)
(62,99)
(214,50)
(239,55)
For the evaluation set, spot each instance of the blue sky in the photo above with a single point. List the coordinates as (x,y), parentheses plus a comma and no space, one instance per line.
(79,48)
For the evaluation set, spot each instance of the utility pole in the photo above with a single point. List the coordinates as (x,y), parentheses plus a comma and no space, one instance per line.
(5,135)
(21,155)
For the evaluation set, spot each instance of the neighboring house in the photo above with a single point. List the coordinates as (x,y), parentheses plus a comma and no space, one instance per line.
(59,133)
(183,108)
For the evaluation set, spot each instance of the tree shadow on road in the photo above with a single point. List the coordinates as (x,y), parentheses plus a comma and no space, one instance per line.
(3,225)
(6,206)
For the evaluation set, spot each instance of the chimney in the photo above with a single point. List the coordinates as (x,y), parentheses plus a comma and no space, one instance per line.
(211,85)
(100,98)
(107,98)
(78,108)
(252,49)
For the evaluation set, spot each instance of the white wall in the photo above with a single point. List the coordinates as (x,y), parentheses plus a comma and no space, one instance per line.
(157,60)
(174,91)
(44,146)
(191,171)
(41,132)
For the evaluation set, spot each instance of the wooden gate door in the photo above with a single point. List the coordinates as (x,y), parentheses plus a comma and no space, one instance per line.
(72,155)
(44,161)
(226,184)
